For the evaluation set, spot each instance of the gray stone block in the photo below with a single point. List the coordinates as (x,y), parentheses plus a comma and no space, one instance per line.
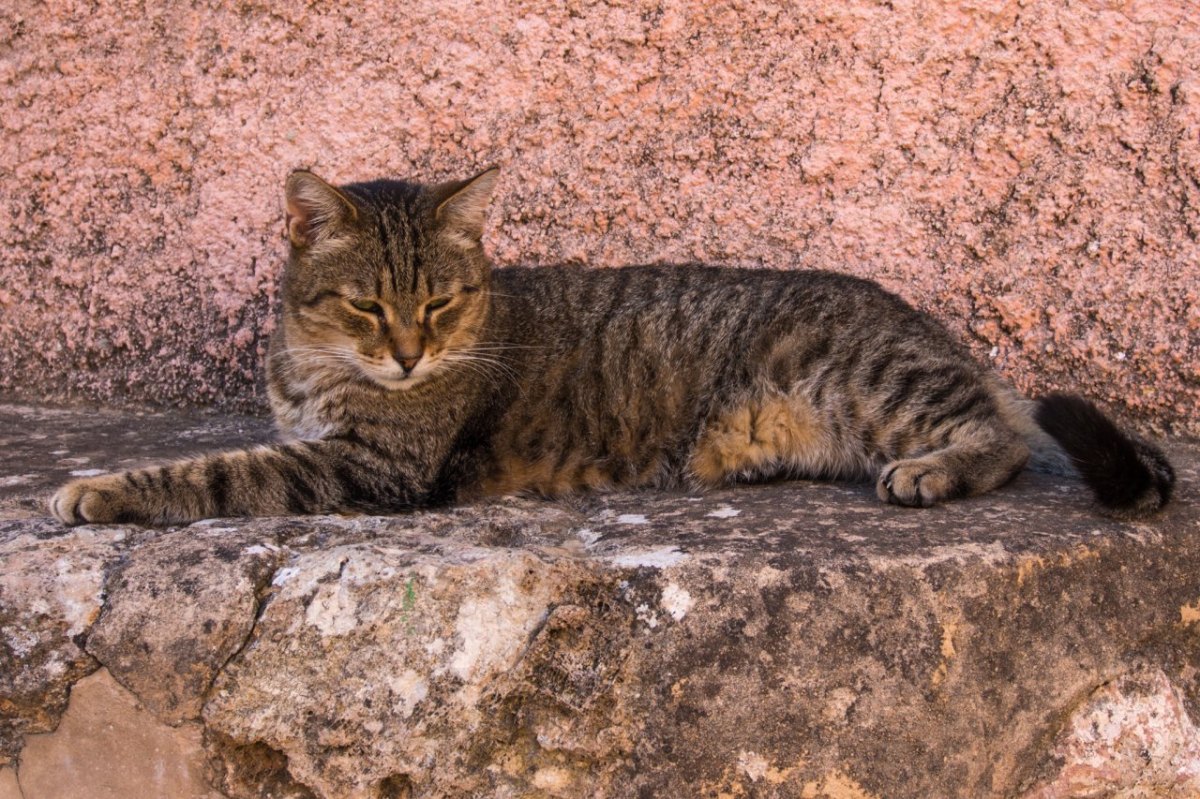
(797,639)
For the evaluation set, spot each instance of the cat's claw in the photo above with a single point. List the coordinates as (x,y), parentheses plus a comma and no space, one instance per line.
(914,484)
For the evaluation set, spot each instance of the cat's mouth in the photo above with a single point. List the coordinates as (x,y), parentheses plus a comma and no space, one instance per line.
(395,377)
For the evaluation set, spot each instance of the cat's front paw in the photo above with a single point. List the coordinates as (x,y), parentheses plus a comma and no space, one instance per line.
(914,483)
(92,500)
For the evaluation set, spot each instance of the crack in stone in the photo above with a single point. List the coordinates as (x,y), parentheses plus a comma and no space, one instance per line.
(263,592)
(220,747)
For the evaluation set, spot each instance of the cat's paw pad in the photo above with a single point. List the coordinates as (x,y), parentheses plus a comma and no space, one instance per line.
(91,500)
(914,484)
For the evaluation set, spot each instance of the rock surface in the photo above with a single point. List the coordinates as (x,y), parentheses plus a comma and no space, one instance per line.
(1027,170)
(788,640)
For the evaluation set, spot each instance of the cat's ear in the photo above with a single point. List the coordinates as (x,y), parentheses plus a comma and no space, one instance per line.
(315,209)
(463,209)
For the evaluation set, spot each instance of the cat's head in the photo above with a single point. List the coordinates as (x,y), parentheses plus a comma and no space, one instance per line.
(387,278)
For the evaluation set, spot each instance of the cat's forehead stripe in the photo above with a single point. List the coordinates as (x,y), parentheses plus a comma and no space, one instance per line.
(395,238)
(385,239)
(413,259)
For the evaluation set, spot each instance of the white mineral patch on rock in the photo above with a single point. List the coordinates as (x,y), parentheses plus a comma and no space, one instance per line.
(492,628)
(753,765)
(658,558)
(632,518)
(22,642)
(284,574)
(724,512)
(86,472)
(587,536)
(409,689)
(16,480)
(676,601)
(646,615)
(552,778)
(311,572)
(332,610)
(78,594)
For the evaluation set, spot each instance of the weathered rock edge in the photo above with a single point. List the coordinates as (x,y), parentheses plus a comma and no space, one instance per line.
(790,640)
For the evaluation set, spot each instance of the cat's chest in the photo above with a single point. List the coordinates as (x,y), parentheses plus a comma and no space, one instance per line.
(421,424)
(305,421)
(306,416)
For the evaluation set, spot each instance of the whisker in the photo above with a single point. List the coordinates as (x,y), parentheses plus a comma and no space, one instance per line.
(488,368)
(475,369)
(336,359)
(500,348)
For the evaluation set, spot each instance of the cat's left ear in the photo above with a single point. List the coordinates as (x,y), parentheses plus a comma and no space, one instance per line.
(464,209)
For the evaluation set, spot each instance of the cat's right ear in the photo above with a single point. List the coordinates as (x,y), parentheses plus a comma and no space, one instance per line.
(463,207)
(315,209)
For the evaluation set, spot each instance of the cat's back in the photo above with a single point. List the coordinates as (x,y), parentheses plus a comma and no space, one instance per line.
(664,283)
(695,304)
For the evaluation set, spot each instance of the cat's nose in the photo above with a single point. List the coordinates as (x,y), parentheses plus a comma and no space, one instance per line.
(406,360)
(407,348)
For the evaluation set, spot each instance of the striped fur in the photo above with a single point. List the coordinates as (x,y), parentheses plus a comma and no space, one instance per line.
(406,372)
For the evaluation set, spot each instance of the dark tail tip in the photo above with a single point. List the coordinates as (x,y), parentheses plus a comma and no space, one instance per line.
(1131,478)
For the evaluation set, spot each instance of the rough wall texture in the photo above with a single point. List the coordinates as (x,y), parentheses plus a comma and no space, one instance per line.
(1028,171)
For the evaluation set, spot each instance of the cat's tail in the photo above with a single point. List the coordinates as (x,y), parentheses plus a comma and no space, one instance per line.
(1130,477)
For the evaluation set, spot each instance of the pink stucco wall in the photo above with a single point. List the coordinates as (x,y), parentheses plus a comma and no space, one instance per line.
(1028,171)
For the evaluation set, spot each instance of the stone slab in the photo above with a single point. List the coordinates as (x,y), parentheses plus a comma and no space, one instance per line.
(795,639)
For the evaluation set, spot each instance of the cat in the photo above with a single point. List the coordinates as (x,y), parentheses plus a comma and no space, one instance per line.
(406,372)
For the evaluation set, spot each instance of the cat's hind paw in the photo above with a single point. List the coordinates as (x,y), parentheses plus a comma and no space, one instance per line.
(915,483)
(91,500)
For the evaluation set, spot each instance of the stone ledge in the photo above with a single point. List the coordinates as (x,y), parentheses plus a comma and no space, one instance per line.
(788,640)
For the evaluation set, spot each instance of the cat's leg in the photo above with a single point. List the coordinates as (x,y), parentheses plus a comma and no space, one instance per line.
(978,456)
(761,435)
(301,477)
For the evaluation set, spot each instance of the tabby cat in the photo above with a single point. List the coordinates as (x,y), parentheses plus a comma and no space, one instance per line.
(407,373)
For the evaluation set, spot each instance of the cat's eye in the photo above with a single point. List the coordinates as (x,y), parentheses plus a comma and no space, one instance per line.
(433,305)
(367,306)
